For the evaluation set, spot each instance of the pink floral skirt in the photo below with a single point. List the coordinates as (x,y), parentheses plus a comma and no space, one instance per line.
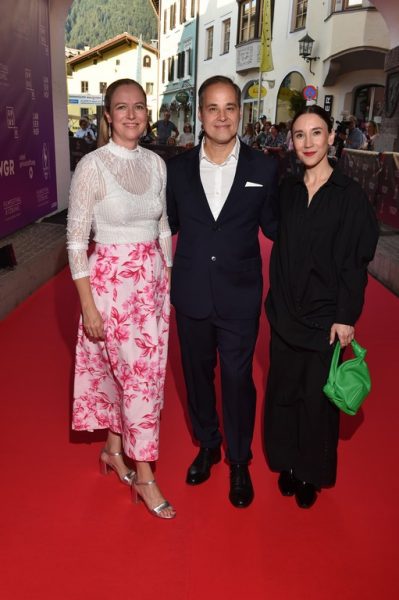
(119,382)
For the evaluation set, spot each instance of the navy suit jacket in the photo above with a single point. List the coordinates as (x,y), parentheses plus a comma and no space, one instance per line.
(217,264)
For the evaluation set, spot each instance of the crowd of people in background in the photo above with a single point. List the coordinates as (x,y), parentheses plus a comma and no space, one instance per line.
(272,138)
(275,138)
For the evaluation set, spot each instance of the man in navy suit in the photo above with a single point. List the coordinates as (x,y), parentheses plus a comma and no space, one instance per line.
(219,194)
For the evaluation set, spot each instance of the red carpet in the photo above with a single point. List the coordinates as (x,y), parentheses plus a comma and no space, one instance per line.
(69,534)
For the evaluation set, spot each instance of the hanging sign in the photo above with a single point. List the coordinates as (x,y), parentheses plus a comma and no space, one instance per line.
(182,97)
(328,101)
(97,100)
(253,91)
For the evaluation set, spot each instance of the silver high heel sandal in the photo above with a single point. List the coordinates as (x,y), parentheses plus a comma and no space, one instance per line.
(105,467)
(157,511)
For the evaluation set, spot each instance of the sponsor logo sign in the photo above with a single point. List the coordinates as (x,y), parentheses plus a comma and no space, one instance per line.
(27,174)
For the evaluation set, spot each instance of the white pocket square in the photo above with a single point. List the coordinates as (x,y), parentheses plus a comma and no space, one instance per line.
(253,184)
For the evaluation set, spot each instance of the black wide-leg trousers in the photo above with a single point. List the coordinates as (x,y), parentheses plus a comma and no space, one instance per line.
(301,425)
(234,340)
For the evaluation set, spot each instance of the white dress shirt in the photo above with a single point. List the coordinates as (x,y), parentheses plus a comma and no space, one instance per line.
(217,179)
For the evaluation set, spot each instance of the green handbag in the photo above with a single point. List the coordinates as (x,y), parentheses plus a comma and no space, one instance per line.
(349,383)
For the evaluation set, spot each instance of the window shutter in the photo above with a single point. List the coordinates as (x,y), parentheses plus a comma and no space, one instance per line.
(190,54)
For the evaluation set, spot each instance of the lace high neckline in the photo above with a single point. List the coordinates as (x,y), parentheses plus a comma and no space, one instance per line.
(121,151)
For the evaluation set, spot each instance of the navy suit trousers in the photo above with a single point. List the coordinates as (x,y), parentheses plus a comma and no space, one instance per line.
(201,341)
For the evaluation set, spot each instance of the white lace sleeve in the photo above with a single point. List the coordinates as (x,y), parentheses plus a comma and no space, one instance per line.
(86,188)
(165,236)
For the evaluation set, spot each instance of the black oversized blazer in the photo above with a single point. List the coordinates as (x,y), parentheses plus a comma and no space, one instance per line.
(217,264)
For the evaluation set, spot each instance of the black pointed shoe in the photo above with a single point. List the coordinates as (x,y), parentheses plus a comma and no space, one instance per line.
(287,483)
(241,490)
(200,470)
(305,494)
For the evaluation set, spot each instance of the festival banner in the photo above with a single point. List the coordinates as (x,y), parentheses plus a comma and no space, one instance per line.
(266,60)
(27,155)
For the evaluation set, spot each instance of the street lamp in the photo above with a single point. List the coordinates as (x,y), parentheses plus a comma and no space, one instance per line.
(305,50)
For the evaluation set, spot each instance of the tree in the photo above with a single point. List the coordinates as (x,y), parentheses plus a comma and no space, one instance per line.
(91,22)
(297,102)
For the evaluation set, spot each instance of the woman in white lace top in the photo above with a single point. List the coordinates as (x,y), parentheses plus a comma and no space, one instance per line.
(119,191)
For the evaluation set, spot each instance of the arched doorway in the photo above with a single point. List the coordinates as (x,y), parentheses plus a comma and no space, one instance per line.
(289,98)
(252,109)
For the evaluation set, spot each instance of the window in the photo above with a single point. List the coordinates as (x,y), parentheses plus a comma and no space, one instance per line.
(338,5)
(165,20)
(147,61)
(208,43)
(226,27)
(183,11)
(250,19)
(299,14)
(192,12)
(247,20)
(117,62)
(172,20)
(163,70)
(95,61)
(368,103)
(84,112)
(84,87)
(180,65)
(171,68)
(103,87)
(187,62)
(149,88)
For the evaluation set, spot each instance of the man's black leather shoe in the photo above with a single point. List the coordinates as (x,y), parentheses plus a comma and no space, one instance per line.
(200,469)
(241,490)
(305,494)
(287,483)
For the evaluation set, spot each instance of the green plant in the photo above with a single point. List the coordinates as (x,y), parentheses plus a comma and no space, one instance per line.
(297,102)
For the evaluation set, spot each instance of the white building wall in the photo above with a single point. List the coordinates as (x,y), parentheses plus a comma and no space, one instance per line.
(212,13)
(350,29)
(169,40)
(332,34)
(180,38)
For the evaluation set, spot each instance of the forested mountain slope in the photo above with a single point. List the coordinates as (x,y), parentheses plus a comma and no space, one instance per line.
(91,22)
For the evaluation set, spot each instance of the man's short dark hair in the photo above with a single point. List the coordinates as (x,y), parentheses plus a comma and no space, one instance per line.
(218,79)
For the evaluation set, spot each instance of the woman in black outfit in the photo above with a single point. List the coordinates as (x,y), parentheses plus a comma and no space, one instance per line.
(318,274)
